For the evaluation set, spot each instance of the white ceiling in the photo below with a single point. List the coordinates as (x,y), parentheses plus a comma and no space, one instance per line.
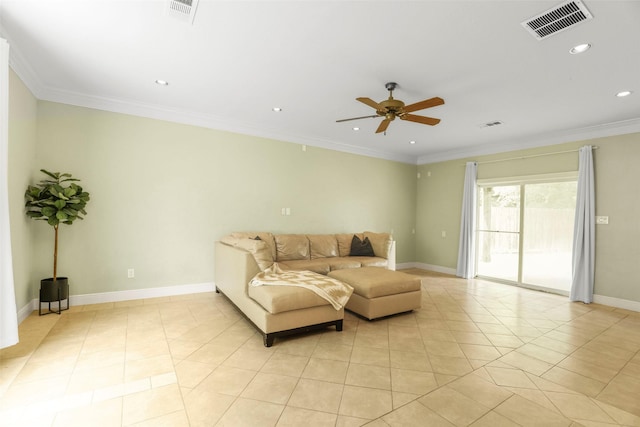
(313,58)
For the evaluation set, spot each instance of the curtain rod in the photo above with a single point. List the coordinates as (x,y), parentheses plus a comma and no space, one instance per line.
(533,155)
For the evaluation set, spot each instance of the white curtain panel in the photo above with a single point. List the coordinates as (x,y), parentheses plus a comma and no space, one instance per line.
(467,249)
(584,232)
(8,313)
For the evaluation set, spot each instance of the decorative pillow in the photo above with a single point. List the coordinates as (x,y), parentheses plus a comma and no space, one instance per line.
(361,247)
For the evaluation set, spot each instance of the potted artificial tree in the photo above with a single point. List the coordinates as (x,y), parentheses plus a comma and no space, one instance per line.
(56,199)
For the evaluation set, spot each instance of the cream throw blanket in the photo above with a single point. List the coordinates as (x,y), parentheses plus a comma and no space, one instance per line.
(334,291)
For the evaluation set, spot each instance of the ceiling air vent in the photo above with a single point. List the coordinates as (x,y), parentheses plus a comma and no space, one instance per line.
(185,10)
(491,124)
(561,17)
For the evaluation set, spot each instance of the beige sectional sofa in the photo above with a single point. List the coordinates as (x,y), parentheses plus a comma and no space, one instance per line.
(283,310)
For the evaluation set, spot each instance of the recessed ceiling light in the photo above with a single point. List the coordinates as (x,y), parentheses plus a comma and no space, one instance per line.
(277,109)
(579,48)
(162,82)
(623,93)
(356,128)
(412,142)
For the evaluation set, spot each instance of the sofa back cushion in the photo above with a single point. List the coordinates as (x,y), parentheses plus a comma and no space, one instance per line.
(381,243)
(291,247)
(258,248)
(344,242)
(322,245)
(265,237)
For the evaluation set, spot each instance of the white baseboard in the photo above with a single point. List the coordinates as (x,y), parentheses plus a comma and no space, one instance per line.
(617,302)
(131,294)
(25,311)
(436,268)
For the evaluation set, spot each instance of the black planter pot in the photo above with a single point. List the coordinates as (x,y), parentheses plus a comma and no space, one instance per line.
(54,291)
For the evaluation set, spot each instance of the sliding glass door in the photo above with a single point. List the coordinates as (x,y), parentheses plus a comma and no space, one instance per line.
(525,231)
(499,232)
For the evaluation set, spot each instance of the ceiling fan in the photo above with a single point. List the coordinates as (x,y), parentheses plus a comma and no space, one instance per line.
(392,108)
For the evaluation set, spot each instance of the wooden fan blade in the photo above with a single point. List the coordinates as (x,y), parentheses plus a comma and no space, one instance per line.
(357,118)
(420,119)
(383,126)
(427,103)
(370,102)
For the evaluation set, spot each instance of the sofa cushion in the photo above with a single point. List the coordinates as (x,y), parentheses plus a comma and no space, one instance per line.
(361,247)
(320,265)
(381,243)
(278,299)
(378,282)
(339,263)
(370,261)
(322,245)
(266,237)
(291,247)
(344,242)
(257,248)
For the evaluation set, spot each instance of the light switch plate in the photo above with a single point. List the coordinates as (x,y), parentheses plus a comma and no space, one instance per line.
(602,220)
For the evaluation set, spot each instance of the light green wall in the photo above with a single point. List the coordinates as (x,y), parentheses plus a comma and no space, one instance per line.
(162,193)
(22,148)
(439,201)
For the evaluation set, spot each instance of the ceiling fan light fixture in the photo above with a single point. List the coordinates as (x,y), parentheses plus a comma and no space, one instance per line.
(276,109)
(162,82)
(355,128)
(412,142)
(581,48)
(623,93)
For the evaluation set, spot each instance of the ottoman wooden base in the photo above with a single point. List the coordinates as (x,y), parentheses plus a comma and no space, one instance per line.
(379,292)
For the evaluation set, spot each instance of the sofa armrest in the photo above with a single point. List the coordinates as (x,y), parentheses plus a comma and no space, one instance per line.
(391,257)
(234,268)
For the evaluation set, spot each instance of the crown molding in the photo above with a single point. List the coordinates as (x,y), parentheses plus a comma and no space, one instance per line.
(22,68)
(570,135)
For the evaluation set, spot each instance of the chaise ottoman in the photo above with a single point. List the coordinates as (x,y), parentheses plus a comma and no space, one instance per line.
(378,292)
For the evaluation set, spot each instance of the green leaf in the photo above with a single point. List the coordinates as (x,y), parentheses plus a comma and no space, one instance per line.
(69,192)
(60,204)
(48,211)
(61,215)
(53,221)
(34,214)
(55,175)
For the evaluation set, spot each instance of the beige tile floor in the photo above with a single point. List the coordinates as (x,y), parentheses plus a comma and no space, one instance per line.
(477,353)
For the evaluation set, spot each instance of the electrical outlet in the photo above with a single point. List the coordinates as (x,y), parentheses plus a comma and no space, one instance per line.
(131,273)
(602,220)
